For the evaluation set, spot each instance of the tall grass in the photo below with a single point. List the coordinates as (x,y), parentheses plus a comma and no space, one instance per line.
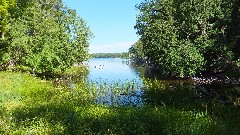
(29,105)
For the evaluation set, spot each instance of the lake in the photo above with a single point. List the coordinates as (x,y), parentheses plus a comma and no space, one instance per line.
(112,70)
(120,82)
(110,73)
(116,75)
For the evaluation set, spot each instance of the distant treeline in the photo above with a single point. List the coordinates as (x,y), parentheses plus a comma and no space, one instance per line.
(110,55)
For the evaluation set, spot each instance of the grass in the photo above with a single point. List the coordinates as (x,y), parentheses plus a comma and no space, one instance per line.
(29,105)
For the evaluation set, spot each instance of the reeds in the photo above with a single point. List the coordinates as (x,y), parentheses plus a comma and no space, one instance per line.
(117,93)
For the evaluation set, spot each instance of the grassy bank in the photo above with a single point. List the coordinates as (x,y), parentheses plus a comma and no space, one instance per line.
(29,105)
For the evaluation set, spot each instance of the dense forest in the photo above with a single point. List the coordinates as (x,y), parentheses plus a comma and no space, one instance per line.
(188,37)
(41,36)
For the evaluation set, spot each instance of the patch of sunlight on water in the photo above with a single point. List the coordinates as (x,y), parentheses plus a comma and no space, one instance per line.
(116,81)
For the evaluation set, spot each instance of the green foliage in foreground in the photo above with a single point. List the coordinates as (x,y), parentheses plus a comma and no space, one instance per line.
(29,105)
(5,6)
(187,37)
(42,37)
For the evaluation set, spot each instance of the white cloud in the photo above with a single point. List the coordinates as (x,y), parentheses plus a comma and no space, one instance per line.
(111,48)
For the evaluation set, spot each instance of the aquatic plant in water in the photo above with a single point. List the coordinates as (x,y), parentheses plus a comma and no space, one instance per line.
(44,109)
(116,93)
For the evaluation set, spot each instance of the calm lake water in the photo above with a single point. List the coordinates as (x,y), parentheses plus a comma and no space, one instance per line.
(112,70)
(119,83)
(126,76)
(116,74)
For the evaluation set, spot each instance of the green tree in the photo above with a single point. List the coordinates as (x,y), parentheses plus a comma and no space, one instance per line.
(45,37)
(136,51)
(5,6)
(186,37)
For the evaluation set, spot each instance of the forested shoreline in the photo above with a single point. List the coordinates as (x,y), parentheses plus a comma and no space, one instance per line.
(185,38)
(110,55)
(181,38)
(44,89)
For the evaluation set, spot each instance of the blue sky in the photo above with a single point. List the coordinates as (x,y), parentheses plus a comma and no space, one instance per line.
(111,21)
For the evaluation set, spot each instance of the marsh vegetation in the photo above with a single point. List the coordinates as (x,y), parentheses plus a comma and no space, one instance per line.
(30,105)
(189,82)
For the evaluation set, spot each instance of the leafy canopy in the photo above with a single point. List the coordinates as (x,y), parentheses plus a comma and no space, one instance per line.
(5,6)
(187,37)
(44,36)
(136,50)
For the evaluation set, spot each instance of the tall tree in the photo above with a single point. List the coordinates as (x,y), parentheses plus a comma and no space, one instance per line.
(186,37)
(45,37)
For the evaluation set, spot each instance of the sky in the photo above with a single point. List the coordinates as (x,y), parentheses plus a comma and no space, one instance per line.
(111,21)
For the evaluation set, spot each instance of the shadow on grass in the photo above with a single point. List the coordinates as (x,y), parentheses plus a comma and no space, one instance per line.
(180,110)
(95,119)
(52,113)
(218,103)
(90,120)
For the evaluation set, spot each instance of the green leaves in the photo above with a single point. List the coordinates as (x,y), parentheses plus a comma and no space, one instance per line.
(5,6)
(46,37)
(185,60)
(136,50)
(178,35)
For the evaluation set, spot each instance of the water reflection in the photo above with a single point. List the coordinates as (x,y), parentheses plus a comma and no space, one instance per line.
(119,83)
(117,93)
(111,75)
(111,70)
